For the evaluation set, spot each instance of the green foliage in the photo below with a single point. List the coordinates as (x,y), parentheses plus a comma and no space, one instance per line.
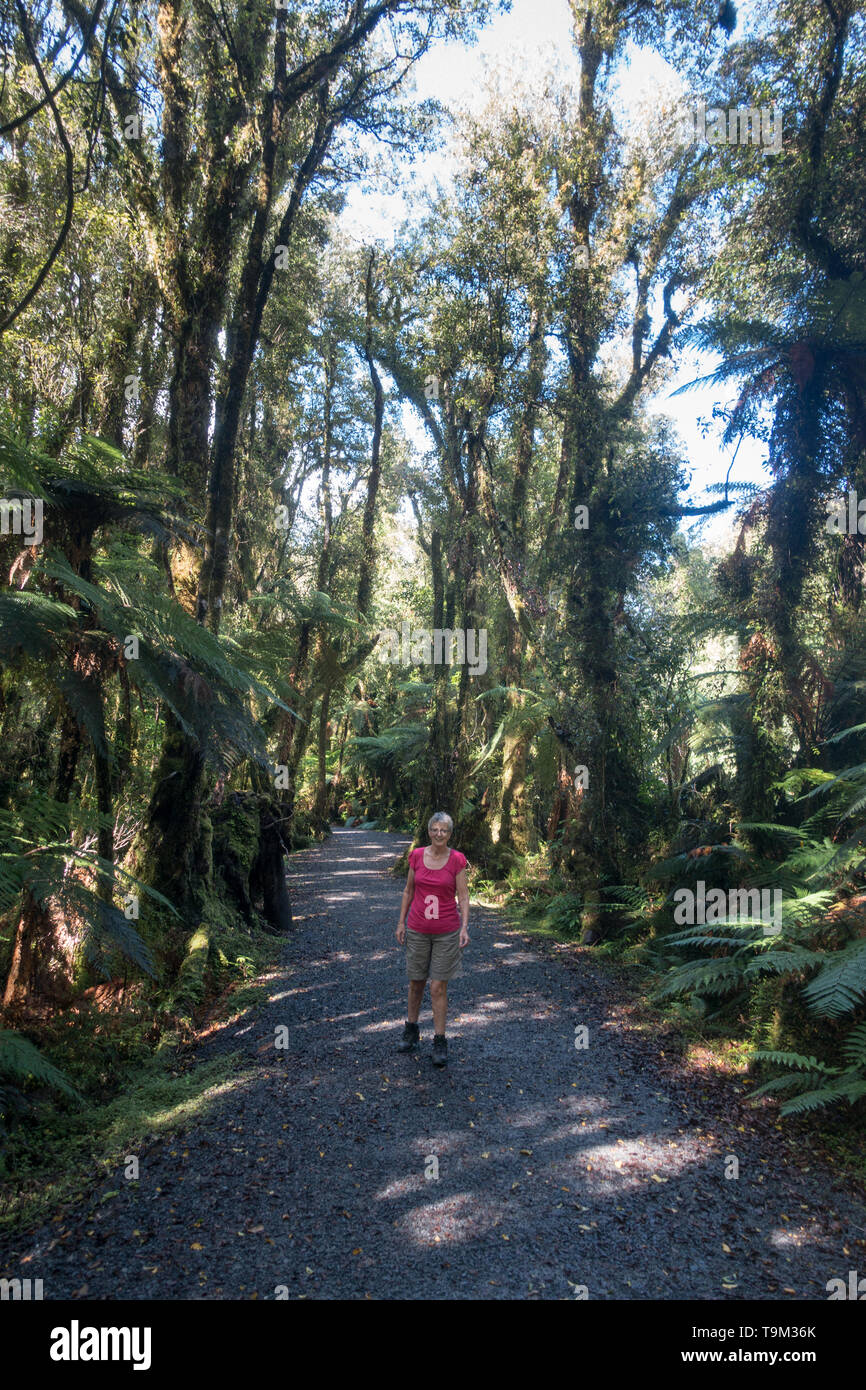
(41,862)
(832,982)
(840,985)
(703,683)
(814,1084)
(20,1061)
(563,914)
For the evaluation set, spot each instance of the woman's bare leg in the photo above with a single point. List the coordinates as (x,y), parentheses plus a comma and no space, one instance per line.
(439,998)
(416,994)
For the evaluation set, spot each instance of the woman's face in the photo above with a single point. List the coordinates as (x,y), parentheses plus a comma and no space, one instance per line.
(440,832)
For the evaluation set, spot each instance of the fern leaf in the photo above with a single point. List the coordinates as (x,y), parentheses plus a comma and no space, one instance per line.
(20,1060)
(707,977)
(816,1100)
(854,1048)
(794,1060)
(840,985)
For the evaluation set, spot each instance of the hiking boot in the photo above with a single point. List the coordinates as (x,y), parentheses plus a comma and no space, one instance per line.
(411,1037)
(440,1050)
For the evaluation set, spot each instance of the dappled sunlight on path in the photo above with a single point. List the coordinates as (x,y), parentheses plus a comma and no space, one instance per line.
(530,1167)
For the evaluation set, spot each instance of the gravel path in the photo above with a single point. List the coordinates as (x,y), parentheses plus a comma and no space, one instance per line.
(313,1174)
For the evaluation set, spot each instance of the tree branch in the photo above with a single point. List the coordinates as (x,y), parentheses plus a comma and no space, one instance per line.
(70,183)
(33,110)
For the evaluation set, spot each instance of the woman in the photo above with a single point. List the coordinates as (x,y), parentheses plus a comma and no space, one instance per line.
(434,934)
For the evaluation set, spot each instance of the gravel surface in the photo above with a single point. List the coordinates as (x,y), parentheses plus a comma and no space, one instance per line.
(559,1168)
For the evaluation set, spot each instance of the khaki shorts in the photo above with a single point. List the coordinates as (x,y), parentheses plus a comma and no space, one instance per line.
(434,956)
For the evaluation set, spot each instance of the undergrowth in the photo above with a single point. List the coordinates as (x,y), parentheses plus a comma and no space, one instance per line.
(93,1083)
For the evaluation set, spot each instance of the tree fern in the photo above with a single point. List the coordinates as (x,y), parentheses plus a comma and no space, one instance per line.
(854,1049)
(717,976)
(830,1094)
(204,680)
(21,1061)
(812,877)
(813,1083)
(38,858)
(841,983)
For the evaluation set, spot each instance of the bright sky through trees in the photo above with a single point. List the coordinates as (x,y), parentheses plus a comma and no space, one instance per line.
(534,37)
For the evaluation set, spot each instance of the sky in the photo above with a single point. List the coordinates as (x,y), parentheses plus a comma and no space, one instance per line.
(534,35)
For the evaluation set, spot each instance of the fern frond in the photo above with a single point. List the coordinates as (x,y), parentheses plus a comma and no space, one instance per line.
(794,1060)
(826,1095)
(784,962)
(854,1047)
(718,976)
(21,1061)
(840,985)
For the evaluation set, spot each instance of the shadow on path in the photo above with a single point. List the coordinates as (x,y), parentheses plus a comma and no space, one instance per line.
(337,1168)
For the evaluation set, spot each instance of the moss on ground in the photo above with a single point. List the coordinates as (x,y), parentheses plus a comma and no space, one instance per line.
(72,1149)
(134,1067)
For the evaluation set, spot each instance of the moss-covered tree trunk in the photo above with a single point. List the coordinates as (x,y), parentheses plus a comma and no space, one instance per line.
(516,830)
(177,860)
(321,817)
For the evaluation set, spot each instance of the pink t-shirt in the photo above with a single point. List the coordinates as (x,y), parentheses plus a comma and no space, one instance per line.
(434,906)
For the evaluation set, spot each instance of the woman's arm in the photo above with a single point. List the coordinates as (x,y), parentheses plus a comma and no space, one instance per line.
(405,904)
(463,902)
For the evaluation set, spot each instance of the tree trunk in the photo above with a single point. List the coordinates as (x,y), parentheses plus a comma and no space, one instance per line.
(175,859)
(320,804)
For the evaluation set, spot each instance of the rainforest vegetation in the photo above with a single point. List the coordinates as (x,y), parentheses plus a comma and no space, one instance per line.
(254,465)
